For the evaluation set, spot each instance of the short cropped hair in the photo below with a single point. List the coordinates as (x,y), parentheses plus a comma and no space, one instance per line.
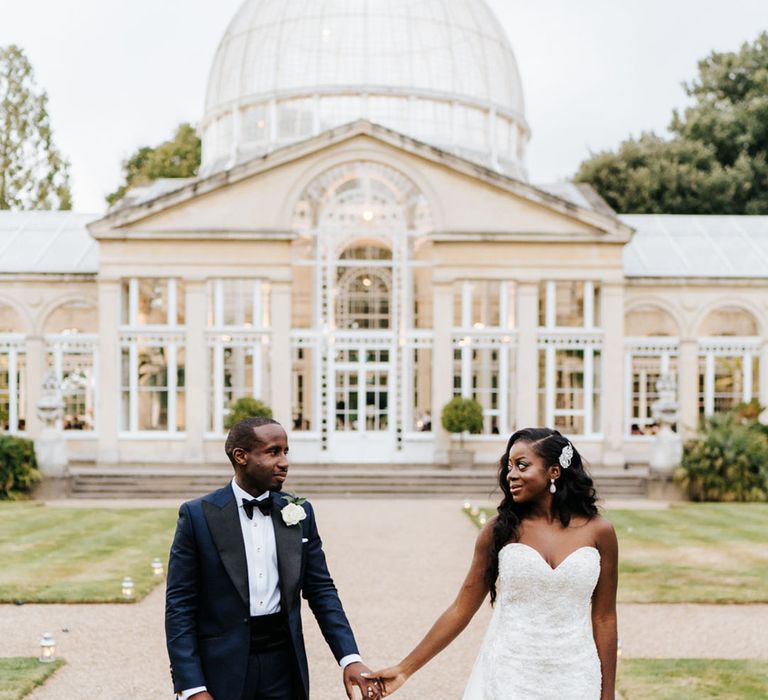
(243,435)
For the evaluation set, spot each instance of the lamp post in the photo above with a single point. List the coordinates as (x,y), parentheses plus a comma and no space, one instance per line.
(128,588)
(47,649)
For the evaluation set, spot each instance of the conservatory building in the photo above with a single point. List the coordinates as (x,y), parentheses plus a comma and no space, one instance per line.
(362,245)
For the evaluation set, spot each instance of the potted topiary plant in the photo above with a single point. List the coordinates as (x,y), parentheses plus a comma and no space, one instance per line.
(246,407)
(462,416)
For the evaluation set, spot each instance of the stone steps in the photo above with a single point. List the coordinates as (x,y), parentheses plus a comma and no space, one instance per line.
(152,481)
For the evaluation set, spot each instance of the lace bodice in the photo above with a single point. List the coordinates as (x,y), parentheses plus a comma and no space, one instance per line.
(539,645)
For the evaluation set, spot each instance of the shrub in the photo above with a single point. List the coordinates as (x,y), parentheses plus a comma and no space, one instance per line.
(727,462)
(246,407)
(18,466)
(462,416)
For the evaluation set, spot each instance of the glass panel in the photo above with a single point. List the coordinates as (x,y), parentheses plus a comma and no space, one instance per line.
(542,387)
(422,389)
(295,118)
(346,400)
(457,371)
(77,387)
(181,404)
(485,304)
(18,399)
(21,391)
(729,383)
(153,388)
(376,400)
(301,388)
(485,386)
(153,302)
(125,390)
(5,395)
(569,391)
(597,384)
(569,300)
(363,299)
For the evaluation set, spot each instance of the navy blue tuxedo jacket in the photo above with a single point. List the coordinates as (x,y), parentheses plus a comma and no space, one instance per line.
(207,606)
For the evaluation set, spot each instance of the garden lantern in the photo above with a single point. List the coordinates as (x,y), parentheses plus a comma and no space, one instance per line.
(47,649)
(467,504)
(157,567)
(128,587)
(474,511)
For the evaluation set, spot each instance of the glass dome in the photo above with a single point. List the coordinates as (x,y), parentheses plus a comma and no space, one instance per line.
(441,71)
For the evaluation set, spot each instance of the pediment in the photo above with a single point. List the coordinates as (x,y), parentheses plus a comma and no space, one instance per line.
(256,198)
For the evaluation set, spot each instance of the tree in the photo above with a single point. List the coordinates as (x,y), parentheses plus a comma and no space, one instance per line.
(179,157)
(716,159)
(33,174)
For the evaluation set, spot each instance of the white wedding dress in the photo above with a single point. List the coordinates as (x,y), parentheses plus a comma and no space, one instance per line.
(539,644)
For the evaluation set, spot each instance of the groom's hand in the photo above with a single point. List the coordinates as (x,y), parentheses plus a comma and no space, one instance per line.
(353,676)
(390,679)
(205,695)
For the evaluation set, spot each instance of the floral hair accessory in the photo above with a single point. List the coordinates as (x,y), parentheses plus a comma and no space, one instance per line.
(566,456)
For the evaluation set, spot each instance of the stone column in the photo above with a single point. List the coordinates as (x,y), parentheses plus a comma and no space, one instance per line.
(612,387)
(108,391)
(688,387)
(35,374)
(442,365)
(527,365)
(196,371)
(280,354)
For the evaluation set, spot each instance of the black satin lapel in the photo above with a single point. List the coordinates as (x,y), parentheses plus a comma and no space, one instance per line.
(288,544)
(224,524)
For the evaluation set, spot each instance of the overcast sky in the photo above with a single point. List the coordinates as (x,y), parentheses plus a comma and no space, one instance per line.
(121,74)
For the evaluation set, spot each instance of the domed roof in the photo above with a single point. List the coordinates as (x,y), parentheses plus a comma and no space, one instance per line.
(439,70)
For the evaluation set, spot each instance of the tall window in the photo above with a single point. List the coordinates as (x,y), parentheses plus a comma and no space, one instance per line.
(152,356)
(238,345)
(570,357)
(482,349)
(570,389)
(651,348)
(729,366)
(71,342)
(12,372)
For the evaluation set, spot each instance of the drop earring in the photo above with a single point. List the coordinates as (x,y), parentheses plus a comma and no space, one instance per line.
(552,487)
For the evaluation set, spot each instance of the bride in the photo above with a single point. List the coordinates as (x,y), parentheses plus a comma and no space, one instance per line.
(554,559)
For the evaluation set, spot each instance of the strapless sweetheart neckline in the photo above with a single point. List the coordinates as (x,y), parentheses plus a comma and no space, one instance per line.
(553,568)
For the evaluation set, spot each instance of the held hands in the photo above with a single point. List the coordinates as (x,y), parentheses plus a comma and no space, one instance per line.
(357,674)
(389,679)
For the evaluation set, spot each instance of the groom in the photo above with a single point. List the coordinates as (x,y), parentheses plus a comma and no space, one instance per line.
(240,560)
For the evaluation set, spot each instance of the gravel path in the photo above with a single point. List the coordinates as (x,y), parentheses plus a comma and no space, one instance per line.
(397,564)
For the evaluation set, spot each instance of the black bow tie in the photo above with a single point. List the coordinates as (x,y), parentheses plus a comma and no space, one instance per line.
(264,505)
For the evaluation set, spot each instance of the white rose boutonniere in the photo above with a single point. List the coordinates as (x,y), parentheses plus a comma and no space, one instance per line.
(293,513)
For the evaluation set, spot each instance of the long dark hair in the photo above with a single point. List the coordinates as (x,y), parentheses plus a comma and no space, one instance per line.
(575,493)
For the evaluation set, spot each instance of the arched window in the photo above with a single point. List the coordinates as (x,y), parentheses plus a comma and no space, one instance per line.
(363,300)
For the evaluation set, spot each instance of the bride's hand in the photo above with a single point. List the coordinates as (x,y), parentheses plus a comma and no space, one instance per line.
(390,679)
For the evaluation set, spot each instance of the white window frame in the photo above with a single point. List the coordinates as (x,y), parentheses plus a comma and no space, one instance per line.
(60,344)
(13,345)
(550,306)
(259,296)
(589,344)
(748,348)
(259,344)
(662,347)
(505,344)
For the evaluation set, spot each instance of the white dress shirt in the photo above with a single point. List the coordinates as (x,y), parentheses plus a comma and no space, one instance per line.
(261,559)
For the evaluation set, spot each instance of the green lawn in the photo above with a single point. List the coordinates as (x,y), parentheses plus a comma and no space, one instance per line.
(79,555)
(693,553)
(20,676)
(689,679)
